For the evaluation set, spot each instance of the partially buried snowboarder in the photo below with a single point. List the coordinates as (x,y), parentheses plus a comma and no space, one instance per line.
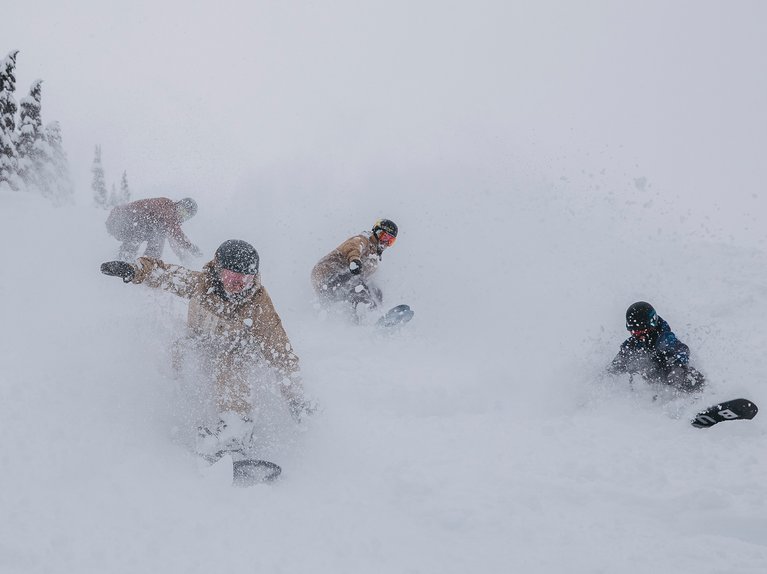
(234,326)
(152,221)
(654,352)
(344,274)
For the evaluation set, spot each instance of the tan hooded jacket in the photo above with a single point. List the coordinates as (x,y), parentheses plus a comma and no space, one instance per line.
(336,263)
(237,329)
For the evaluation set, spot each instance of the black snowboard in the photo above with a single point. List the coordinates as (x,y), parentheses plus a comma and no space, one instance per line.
(248,471)
(734,410)
(253,471)
(396,317)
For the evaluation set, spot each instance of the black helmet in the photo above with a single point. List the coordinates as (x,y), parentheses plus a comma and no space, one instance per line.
(187,208)
(386,225)
(237,255)
(640,316)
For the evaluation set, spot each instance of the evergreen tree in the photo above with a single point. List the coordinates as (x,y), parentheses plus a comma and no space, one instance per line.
(124,196)
(98,185)
(8,156)
(31,158)
(113,200)
(57,168)
(30,142)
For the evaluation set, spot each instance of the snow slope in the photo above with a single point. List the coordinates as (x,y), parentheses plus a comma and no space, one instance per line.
(482,438)
(548,163)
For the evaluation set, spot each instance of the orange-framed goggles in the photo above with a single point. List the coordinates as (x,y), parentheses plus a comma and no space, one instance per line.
(385,239)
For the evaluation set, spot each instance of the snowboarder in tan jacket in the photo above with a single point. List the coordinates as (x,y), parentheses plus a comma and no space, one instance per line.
(234,326)
(343,275)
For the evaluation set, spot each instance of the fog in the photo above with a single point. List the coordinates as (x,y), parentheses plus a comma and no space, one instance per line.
(191,98)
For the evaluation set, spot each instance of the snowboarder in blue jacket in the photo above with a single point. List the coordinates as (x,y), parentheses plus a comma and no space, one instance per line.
(654,352)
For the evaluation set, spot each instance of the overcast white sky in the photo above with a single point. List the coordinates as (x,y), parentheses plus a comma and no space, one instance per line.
(196,97)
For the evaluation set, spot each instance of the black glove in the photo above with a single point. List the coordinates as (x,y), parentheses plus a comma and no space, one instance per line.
(119,269)
(355,266)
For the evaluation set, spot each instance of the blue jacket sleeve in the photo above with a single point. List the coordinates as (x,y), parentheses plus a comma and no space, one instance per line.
(674,352)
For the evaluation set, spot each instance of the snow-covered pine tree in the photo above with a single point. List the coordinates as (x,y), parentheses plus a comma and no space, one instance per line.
(98,185)
(124,196)
(32,156)
(9,167)
(57,169)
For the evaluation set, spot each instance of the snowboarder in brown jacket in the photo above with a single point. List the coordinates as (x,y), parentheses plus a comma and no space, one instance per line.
(152,221)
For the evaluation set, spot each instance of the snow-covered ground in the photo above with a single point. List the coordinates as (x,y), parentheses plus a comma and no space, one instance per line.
(482,438)
(548,164)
